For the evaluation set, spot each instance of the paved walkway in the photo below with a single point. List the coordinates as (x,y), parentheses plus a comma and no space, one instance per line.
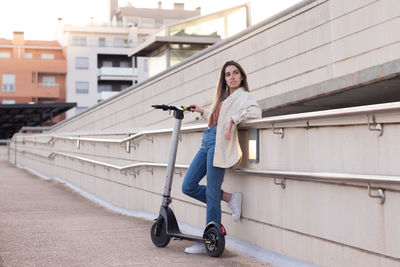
(43,223)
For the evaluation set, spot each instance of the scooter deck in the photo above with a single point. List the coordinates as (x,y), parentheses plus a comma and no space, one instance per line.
(180,235)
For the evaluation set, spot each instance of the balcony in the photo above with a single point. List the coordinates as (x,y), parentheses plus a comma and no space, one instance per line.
(45,66)
(116,73)
(48,84)
(48,90)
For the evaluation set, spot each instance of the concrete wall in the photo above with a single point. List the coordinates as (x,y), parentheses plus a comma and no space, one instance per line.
(325,222)
(323,40)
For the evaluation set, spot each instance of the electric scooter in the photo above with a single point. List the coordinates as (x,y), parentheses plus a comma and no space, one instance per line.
(166,225)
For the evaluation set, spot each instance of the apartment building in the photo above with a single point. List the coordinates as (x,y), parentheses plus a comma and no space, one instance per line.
(31,71)
(32,77)
(175,42)
(98,65)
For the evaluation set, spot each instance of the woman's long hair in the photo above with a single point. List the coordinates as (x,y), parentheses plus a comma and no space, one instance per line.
(222,91)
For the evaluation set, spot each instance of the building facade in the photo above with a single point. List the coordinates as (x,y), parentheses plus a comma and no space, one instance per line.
(97,64)
(31,71)
(97,54)
(175,42)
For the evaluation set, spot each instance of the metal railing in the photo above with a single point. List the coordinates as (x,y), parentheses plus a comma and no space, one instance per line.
(113,166)
(194,128)
(368,110)
(275,174)
(328,176)
(268,122)
(325,176)
(48,84)
(298,175)
(259,124)
(279,176)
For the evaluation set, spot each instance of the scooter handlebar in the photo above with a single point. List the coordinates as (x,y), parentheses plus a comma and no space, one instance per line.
(166,107)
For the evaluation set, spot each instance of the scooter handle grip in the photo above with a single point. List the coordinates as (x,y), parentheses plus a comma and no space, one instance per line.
(189,108)
(163,107)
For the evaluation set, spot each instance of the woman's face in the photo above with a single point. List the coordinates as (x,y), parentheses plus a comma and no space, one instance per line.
(233,77)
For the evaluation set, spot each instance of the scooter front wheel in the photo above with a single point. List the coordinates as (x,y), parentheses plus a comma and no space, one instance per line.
(159,234)
(215,242)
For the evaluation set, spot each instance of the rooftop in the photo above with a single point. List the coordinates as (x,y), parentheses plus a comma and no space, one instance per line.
(14,117)
(19,41)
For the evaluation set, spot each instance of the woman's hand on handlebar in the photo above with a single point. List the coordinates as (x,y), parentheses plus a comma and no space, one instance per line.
(196,108)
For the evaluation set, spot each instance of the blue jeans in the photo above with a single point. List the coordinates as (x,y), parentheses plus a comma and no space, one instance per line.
(202,165)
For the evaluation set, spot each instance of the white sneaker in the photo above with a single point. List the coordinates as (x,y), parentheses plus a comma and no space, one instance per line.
(236,205)
(196,249)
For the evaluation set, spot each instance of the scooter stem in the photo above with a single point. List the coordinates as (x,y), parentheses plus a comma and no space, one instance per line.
(178,115)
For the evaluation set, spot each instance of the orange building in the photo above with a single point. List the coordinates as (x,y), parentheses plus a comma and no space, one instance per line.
(31,71)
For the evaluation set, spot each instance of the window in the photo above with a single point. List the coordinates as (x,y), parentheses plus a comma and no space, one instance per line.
(102,42)
(82,63)
(47,56)
(82,87)
(48,81)
(124,64)
(105,87)
(79,41)
(8,101)
(5,55)
(107,63)
(8,82)
(157,63)
(119,42)
(28,55)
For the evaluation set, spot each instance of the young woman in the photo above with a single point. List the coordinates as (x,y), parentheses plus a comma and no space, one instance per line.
(220,145)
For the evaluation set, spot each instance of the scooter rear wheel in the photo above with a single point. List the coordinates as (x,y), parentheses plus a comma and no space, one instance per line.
(161,239)
(215,242)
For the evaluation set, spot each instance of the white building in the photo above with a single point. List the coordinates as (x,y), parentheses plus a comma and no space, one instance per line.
(98,65)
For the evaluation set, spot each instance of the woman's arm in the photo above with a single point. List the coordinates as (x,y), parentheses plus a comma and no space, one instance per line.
(251,111)
(196,108)
(228,129)
(203,112)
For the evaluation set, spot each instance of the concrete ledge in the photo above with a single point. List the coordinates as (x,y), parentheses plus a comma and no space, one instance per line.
(351,88)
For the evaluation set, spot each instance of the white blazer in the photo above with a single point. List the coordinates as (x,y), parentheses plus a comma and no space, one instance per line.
(239,106)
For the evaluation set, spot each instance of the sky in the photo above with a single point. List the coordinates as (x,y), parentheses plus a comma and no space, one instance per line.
(38,18)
